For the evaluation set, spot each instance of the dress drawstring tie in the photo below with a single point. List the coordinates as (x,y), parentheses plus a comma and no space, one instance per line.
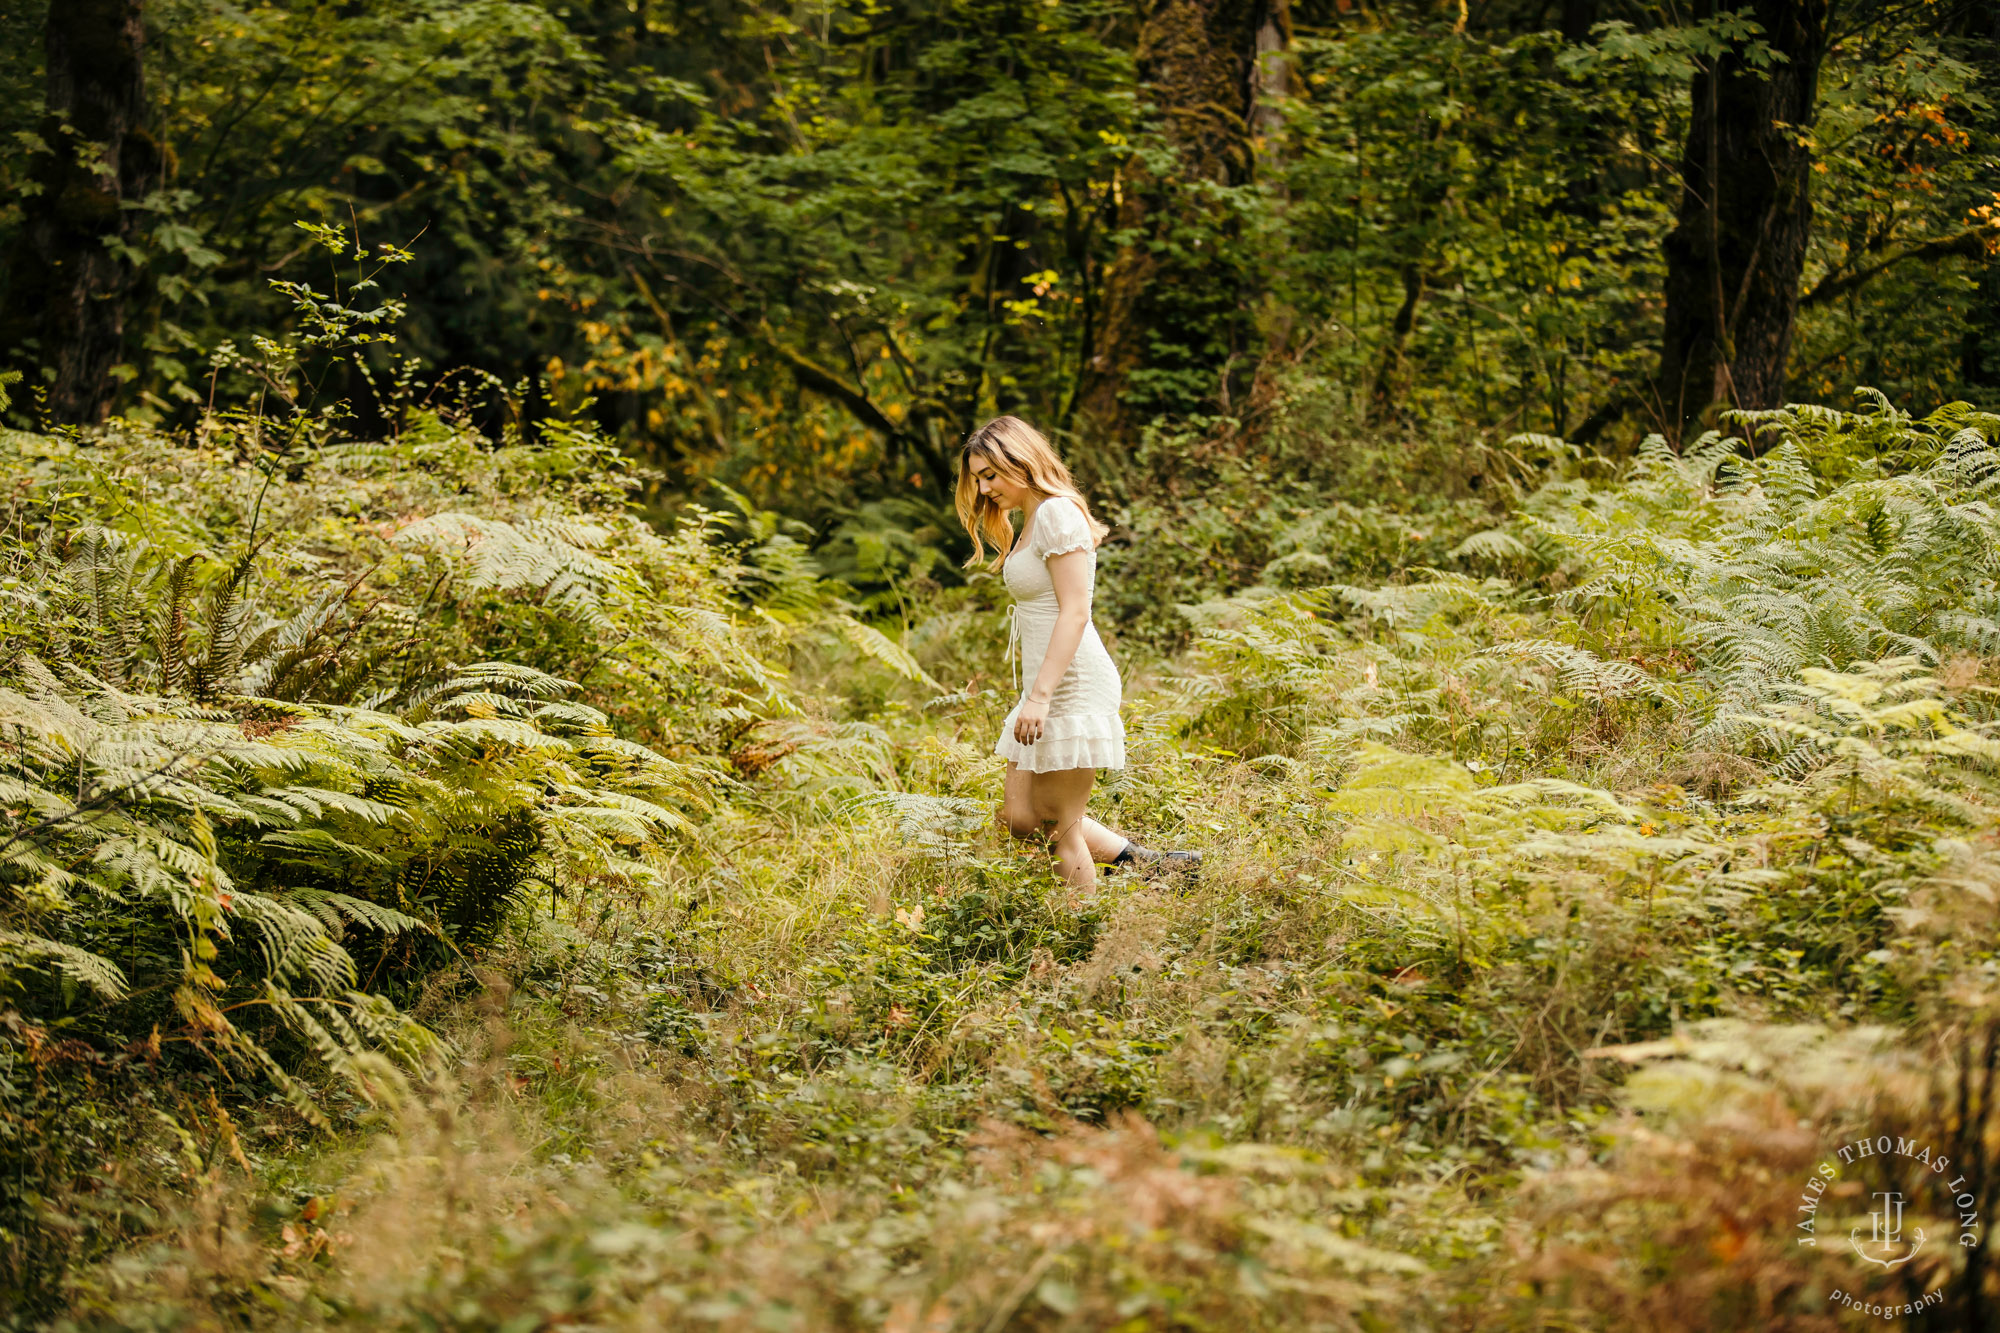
(1014,647)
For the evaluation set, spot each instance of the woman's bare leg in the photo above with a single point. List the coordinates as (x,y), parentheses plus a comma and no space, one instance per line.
(1017,813)
(1104,843)
(1058,800)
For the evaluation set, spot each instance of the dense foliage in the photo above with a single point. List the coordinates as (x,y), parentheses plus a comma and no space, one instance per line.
(799,249)
(378,786)
(496,830)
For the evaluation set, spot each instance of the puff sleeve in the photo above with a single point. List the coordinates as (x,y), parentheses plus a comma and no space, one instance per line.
(1060,527)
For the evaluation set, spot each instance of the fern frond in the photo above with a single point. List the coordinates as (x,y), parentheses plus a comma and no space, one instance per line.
(79,965)
(1580,671)
(879,647)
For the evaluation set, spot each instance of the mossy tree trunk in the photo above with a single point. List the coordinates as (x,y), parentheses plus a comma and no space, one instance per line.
(1738,247)
(1176,333)
(1974,25)
(70,276)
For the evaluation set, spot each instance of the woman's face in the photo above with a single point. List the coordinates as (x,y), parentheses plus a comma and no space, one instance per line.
(995,486)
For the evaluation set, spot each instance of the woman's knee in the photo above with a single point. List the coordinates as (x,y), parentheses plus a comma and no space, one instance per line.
(1020,821)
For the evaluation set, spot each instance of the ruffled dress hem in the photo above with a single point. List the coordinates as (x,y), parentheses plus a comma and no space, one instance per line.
(1077,740)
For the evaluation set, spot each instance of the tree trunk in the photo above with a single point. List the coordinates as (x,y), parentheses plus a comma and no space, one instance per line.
(1974,29)
(1738,245)
(1272,76)
(1388,386)
(68,281)
(1176,315)
(1578,17)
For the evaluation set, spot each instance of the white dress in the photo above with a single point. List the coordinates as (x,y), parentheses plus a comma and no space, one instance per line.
(1083,728)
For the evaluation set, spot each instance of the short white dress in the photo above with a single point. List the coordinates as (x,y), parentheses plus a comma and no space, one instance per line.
(1083,728)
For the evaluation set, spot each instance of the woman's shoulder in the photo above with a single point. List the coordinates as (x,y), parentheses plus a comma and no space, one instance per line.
(1060,526)
(1061,510)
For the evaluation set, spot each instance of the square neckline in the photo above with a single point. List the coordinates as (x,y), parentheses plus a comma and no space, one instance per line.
(1021,542)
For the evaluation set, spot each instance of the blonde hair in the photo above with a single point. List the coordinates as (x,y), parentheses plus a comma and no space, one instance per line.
(1019,453)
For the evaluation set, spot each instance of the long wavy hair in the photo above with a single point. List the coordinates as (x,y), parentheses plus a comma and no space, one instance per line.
(1019,453)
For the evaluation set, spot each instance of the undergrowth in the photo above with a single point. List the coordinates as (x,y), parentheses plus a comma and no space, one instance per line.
(436,900)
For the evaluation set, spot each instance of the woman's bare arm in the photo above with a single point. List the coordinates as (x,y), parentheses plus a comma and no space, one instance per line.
(1070,573)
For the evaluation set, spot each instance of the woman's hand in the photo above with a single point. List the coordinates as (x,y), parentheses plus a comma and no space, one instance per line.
(1028,723)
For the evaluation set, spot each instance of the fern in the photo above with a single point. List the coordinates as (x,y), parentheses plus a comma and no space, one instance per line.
(879,647)
(284,841)
(1580,671)
(557,558)
(1883,732)
(938,828)
(1765,571)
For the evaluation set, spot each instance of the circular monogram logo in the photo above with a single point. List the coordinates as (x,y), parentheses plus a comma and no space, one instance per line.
(1923,1189)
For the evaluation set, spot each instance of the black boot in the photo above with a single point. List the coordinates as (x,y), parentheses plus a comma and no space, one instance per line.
(1154,865)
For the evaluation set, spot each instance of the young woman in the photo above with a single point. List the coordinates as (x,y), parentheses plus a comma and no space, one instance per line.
(1064,725)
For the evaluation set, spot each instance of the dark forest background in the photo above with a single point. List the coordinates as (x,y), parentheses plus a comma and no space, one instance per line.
(801,249)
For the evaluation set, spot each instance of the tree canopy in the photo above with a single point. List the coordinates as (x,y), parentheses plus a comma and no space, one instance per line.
(803,248)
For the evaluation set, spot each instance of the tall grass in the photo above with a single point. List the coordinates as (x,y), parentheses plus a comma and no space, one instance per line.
(1569,895)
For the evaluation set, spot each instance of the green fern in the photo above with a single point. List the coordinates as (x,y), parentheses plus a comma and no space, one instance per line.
(1764,569)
